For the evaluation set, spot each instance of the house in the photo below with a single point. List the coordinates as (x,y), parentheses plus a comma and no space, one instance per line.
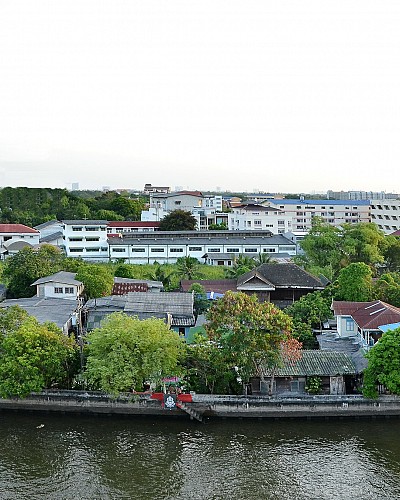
(86,239)
(253,216)
(168,246)
(62,285)
(336,371)
(175,308)
(65,313)
(364,321)
(281,284)
(122,286)
(14,237)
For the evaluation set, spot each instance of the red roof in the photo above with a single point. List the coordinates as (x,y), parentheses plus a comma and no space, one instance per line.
(217,286)
(17,229)
(368,315)
(133,224)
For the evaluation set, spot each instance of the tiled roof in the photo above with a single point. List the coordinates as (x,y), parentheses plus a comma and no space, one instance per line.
(286,275)
(216,286)
(51,237)
(47,223)
(64,277)
(17,229)
(318,363)
(368,315)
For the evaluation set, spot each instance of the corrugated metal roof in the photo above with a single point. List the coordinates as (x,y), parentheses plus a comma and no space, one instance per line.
(282,275)
(64,277)
(319,363)
(368,315)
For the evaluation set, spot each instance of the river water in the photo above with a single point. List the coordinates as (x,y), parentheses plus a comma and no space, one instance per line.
(69,457)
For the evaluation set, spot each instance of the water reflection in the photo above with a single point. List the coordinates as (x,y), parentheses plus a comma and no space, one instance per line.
(81,458)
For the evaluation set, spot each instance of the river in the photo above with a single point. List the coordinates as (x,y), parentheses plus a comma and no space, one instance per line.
(70,457)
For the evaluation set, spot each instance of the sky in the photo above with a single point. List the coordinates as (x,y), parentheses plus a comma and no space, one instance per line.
(279,96)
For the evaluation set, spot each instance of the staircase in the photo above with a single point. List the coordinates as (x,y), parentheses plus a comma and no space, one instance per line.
(194,414)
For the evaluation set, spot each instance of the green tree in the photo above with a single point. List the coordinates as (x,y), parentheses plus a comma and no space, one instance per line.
(391,253)
(125,352)
(161,272)
(218,227)
(241,265)
(355,283)
(96,278)
(188,268)
(28,265)
(201,303)
(34,357)
(124,271)
(208,370)
(387,289)
(251,333)
(178,220)
(11,318)
(263,258)
(383,365)
(312,309)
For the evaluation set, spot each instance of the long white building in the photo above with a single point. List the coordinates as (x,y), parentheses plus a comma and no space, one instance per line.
(386,215)
(168,246)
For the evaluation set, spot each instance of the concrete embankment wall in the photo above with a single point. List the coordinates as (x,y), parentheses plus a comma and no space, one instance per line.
(208,406)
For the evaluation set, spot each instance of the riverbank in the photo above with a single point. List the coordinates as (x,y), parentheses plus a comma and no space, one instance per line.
(205,406)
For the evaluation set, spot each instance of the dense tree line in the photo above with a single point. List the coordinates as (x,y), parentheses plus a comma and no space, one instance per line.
(32,206)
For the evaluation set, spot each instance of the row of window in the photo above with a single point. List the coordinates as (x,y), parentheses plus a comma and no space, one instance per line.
(180,250)
(68,290)
(88,228)
(88,249)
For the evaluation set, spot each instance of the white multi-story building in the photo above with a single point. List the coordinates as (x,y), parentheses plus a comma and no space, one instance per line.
(168,246)
(86,239)
(335,212)
(251,216)
(119,227)
(386,215)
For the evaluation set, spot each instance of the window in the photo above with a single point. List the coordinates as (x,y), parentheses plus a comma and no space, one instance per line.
(75,239)
(119,250)
(281,222)
(76,228)
(257,223)
(269,250)
(176,250)
(91,228)
(251,250)
(213,250)
(349,325)
(76,250)
(178,202)
(58,289)
(96,249)
(195,249)
(104,249)
(69,290)
(138,250)
(157,250)
(233,250)
(92,239)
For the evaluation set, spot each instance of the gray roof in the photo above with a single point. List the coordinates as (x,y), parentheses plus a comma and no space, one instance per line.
(57,311)
(148,305)
(45,224)
(319,363)
(16,246)
(285,275)
(331,341)
(51,237)
(60,277)
(84,222)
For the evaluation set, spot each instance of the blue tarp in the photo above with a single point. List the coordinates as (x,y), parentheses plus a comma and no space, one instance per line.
(391,326)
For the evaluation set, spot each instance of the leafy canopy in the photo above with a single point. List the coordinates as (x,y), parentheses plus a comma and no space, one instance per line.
(33,357)
(126,351)
(383,365)
(178,220)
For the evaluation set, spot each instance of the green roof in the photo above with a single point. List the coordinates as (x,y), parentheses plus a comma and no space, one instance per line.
(321,363)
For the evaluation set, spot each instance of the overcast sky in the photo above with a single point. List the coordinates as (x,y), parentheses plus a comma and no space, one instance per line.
(287,95)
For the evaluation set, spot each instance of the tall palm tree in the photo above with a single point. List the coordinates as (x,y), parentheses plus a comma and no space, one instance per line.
(241,265)
(161,273)
(263,258)
(188,268)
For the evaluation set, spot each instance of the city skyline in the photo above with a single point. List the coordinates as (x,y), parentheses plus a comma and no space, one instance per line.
(288,97)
